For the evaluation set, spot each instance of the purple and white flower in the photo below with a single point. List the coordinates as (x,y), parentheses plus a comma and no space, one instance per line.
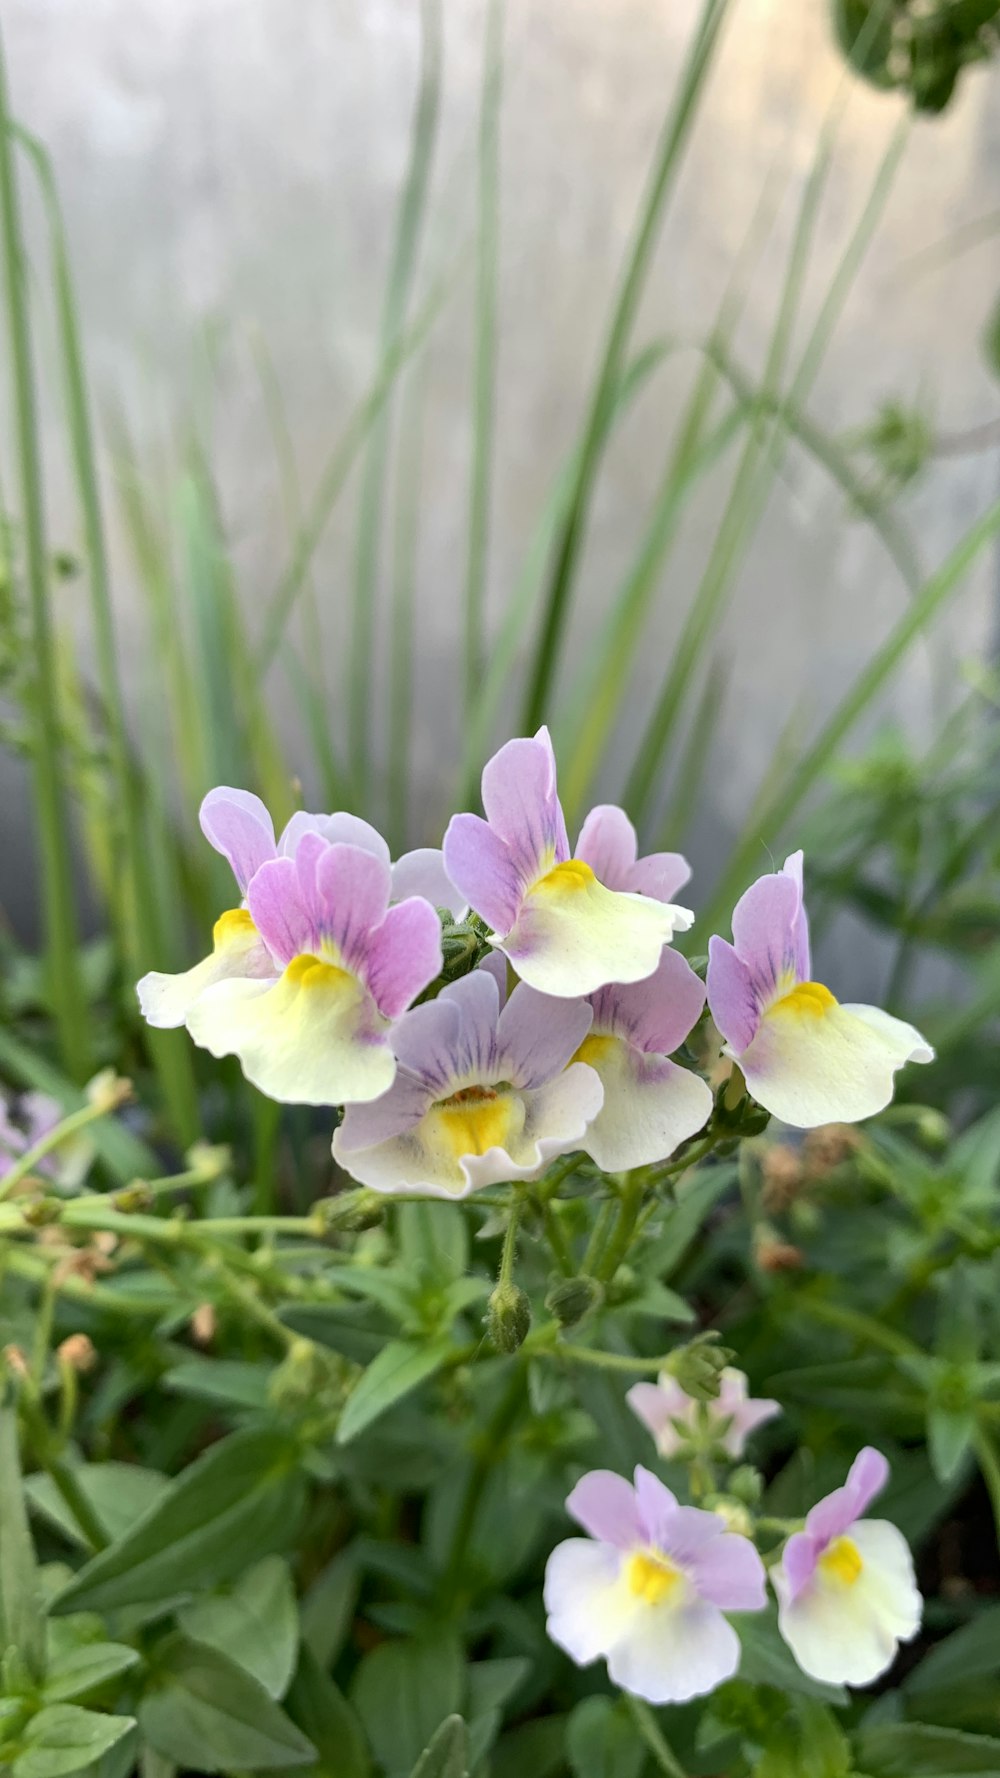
(649,1592)
(650,1104)
(680,1424)
(565,931)
(609,844)
(484,1092)
(239,826)
(804,1056)
(847,1594)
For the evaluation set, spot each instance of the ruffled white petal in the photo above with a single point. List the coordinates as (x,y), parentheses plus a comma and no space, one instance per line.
(650,1104)
(588,1603)
(670,1652)
(314,1037)
(572,935)
(238,950)
(815,1062)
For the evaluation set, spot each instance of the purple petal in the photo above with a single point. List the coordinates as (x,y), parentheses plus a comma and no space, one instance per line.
(404,955)
(422,873)
(655,1015)
(729,1573)
(690,1532)
(767,931)
(658,1405)
(608,844)
(606,1506)
(522,804)
(274,899)
(660,875)
(339,829)
(484,871)
(352,890)
(426,1042)
(835,1514)
(539,1035)
(792,868)
(657,1507)
(476,1051)
(798,1561)
(238,825)
(732,998)
(398,1110)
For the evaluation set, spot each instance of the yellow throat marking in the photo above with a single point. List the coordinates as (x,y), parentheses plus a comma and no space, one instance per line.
(232,927)
(311,973)
(842,1562)
(595,1045)
(651,1577)
(809,1000)
(572,878)
(474,1120)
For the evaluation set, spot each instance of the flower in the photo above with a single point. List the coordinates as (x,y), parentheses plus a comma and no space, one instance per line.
(677,1420)
(804,1057)
(238,825)
(566,932)
(608,843)
(312,1025)
(650,1104)
(847,1595)
(649,1593)
(36,1116)
(481,1095)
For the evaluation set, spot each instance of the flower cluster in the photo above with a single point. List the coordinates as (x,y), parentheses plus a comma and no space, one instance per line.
(328,982)
(649,1588)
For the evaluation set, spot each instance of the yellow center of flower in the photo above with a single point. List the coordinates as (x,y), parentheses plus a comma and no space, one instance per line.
(473,1120)
(570,878)
(595,1045)
(809,1000)
(230,927)
(651,1577)
(313,974)
(842,1562)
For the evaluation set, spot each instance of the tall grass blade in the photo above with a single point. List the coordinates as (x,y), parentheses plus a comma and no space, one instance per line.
(572,529)
(485,347)
(695,759)
(402,267)
(401,625)
(62,960)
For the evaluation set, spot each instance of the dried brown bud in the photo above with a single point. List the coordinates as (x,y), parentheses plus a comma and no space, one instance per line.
(782,1173)
(828,1147)
(204,1322)
(16,1362)
(772,1254)
(78,1351)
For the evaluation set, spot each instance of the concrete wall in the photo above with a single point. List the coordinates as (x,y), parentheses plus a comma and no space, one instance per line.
(239,161)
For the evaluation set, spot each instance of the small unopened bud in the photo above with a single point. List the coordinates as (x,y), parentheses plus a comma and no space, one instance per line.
(108,1090)
(16,1362)
(933,1127)
(78,1352)
(733,1512)
(304,1376)
(41,1212)
(508,1317)
(698,1366)
(772,1254)
(746,1484)
(134,1198)
(782,1174)
(209,1160)
(573,1298)
(204,1322)
(349,1213)
(828,1147)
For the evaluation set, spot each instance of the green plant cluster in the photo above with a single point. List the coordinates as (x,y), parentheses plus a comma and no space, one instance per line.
(917,48)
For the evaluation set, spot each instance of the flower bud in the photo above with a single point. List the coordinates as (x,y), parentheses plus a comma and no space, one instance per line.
(41,1212)
(746,1484)
(134,1198)
(733,1512)
(508,1317)
(209,1159)
(772,1254)
(349,1213)
(307,1375)
(108,1090)
(698,1366)
(15,1360)
(204,1322)
(573,1298)
(78,1352)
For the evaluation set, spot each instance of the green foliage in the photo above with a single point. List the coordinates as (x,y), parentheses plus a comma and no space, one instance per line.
(916,48)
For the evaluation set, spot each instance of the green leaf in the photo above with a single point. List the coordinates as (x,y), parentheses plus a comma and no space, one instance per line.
(256,1624)
(909,1750)
(448,1753)
(973,1652)
(84,1669)
(402,1691)
(950,1432)
(246,1493)
(62,1738)
(401,1366)
(492,1683)
(226,1380)
(205,1713)
(602,1742)
(434,1237)
(119,1494)
(322,1712)
(21,1622)
(991,339)
(328,1607)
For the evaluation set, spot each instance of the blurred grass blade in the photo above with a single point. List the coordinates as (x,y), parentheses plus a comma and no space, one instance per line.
(401,625)
(921,611)
(485,347)
(22,1619)
(403,264)
(572,529)
(695,759)
(62,960)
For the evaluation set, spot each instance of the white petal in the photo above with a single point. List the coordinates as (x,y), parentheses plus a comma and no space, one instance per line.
(238,950)
(670,1653)
(573,936)
(650,1104)
(314,1037)
(815,1062)
(849,1634)
(587,1602)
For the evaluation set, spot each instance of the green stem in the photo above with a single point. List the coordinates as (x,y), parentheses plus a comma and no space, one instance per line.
(649,1729)
(60,1472)
(629,1207)
(989,1465)
(77,1120)
(609,1361)
(864,1327)
(506,1272)
(492,1439)
(598,1237)
(558,1243)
